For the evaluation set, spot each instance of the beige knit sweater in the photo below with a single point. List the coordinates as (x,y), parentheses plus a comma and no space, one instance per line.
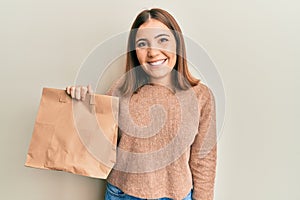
(167,143)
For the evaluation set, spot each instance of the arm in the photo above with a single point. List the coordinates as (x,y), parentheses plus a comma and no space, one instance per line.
(203,156)
(112,91)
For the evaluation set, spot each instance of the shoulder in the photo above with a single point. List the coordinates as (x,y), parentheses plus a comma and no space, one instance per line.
(203,92)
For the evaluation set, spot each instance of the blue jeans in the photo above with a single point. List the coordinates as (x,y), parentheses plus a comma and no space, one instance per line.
(114,193)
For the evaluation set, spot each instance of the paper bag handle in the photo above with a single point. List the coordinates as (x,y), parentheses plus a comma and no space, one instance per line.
(66,99)
(92,103)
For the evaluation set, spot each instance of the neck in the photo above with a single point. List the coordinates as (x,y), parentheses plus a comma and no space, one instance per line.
(165,81)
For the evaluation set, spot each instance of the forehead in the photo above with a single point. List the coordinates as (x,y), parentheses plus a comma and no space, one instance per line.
(151,28)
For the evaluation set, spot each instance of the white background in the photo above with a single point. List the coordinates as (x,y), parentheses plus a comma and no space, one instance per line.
(254,44)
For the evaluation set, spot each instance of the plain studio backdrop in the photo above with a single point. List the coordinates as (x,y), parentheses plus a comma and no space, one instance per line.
(254,45)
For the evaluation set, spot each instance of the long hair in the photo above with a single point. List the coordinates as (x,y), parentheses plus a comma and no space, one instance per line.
(134,79)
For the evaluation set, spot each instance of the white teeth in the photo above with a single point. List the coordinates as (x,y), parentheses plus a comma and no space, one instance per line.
(157,62)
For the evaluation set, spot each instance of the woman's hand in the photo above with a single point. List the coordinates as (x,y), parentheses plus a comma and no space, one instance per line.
(79,92)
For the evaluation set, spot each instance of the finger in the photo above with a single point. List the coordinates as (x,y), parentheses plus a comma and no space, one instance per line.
(77,93)
(72,91)
(83,92)
(68,89)
(90,90)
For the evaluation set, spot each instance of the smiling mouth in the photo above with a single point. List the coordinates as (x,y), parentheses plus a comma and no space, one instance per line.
(157,63)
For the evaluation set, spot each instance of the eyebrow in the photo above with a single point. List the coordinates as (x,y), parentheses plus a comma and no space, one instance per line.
(159,35)
(163,34)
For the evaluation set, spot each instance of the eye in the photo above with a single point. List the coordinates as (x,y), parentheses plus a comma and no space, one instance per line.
(141,44)
(162,40)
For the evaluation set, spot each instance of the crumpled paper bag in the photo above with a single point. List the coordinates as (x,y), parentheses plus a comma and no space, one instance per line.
(75,136)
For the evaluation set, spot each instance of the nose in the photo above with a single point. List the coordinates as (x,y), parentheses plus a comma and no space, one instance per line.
(152,52)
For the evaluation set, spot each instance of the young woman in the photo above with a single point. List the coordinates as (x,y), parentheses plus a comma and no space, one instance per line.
(160,155)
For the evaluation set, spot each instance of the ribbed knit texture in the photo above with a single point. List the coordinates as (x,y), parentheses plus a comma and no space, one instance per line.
(156,177)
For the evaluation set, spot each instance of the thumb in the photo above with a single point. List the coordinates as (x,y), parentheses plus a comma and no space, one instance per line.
(90,90)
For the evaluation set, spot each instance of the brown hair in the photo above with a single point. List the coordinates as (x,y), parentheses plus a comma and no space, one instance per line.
(134,79)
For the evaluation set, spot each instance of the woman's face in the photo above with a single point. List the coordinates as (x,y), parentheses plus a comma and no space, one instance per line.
(156,50)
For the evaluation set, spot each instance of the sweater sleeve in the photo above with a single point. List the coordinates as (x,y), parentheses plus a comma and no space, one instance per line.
(204,151)
(112,91)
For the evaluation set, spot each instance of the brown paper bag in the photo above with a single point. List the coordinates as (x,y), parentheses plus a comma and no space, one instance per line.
(73,135)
